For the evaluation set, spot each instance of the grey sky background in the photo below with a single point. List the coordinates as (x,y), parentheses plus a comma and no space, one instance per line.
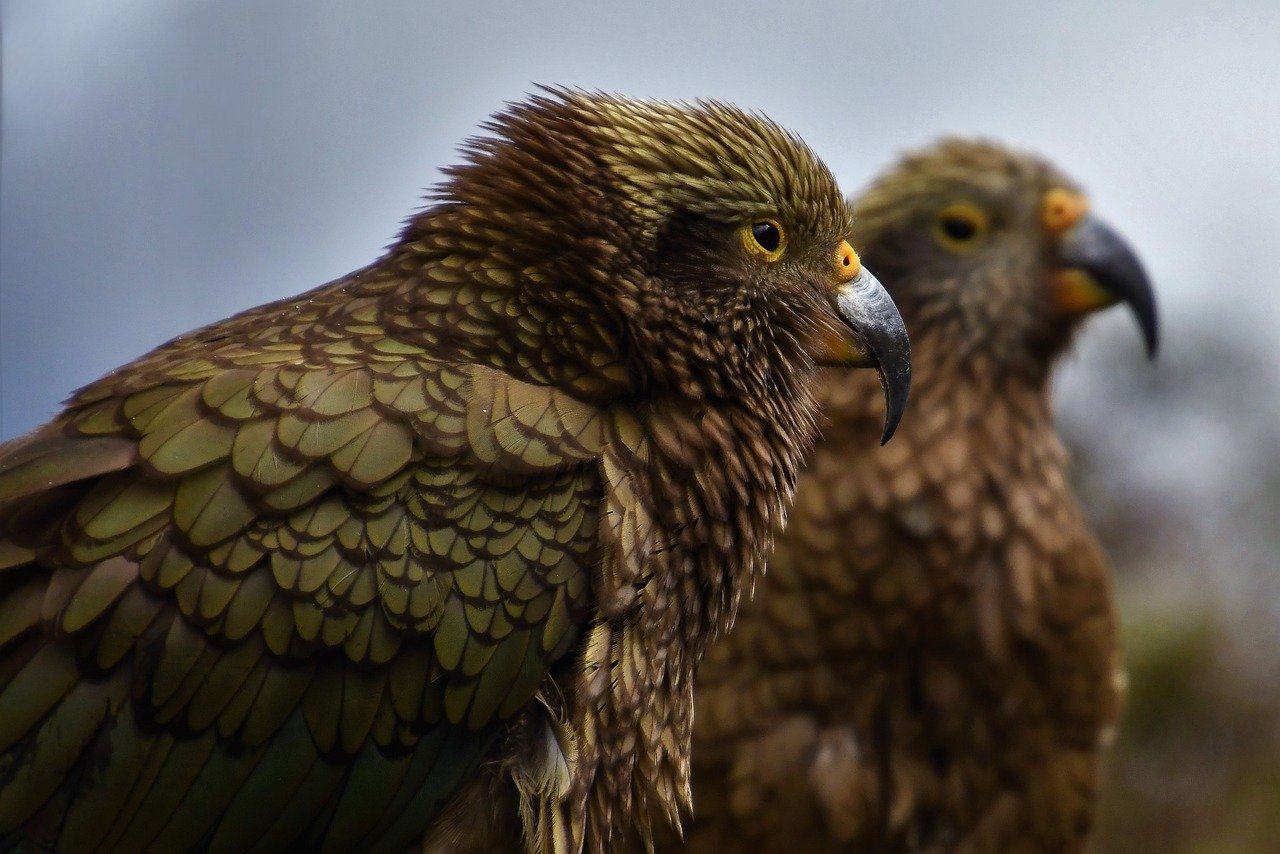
(168,163)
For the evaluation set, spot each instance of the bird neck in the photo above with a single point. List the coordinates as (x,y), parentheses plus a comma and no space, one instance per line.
(987,370)
(1006,333)
(707,470)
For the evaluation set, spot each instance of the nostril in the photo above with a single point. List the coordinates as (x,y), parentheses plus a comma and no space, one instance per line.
(1063,209)
(848,264)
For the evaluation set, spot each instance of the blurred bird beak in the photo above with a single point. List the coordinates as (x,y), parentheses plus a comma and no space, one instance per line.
(871,336)
(1098,270)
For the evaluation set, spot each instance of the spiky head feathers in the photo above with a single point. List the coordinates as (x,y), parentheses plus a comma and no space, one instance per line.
(653,160)
(641,214)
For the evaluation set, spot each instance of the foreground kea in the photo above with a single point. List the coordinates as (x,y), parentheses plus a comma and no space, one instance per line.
(930,662)
(432,550)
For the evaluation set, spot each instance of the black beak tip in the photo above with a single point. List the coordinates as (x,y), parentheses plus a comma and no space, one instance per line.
(1150,333)
(896,381)
(1137,293)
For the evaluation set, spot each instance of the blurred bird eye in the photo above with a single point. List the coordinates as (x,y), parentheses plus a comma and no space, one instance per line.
(960,226)
(764,240)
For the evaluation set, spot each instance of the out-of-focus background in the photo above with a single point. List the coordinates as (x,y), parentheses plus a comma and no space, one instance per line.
(165,164)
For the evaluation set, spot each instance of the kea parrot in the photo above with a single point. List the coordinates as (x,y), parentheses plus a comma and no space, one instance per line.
(930,662)
(427,555)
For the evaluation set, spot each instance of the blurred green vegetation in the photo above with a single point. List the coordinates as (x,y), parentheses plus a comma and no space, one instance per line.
(1196,766)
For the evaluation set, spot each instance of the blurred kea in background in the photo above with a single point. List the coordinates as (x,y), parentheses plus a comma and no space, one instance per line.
(931,661)
(431,551)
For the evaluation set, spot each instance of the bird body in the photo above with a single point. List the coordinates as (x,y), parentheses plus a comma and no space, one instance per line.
(931,661)
(430,552)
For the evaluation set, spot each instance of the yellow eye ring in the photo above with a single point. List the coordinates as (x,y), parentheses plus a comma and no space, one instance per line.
(961,227)
(764,239)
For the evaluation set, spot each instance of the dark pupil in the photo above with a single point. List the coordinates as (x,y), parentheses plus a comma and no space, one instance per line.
(767,235)
(958,228)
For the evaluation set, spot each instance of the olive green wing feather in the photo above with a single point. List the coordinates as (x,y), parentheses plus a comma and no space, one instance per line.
(259,595)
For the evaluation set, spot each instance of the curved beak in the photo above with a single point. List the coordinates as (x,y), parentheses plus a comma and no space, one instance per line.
(873,336)
(1099,269)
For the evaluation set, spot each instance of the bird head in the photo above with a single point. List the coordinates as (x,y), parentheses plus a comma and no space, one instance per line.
(711,241)
(999,248)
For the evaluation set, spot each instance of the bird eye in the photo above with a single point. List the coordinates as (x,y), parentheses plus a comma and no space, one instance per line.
(764,240)
(960,226)
(768,235)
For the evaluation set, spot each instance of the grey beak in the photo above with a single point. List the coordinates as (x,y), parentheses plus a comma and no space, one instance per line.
(866,307)
(1095,249)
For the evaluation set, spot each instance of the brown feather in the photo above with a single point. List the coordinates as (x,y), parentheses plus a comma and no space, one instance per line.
(931,662)
(338,546)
